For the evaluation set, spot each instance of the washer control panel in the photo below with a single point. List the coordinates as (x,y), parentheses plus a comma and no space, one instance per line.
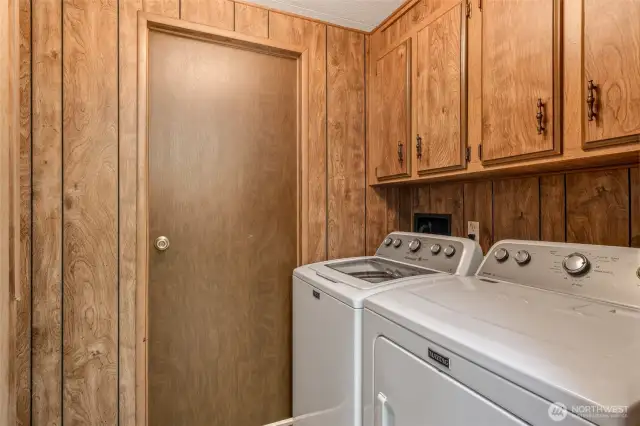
(598,272)
(440,253)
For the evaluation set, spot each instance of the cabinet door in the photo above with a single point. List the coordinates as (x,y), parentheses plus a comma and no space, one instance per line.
(612,65)
(392,123)
(442,93)
(520,79)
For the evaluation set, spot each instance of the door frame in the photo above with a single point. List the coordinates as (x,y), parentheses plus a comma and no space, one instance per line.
(150,22)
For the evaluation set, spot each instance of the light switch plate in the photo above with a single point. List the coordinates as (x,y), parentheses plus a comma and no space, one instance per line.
(474,228)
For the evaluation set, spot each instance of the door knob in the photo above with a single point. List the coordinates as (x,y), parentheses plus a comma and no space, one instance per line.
(162,243)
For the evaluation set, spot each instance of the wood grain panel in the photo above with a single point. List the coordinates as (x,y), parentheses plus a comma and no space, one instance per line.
(23,306)
(393,209)
(598,207)
(312,35)
(392,115)
(217,13)
(127,172)
(634,179)
(169,8)
(47,213)
(90,188)
(516,209)
(552,208)
(376,218)
(448,198)
(346,143)
(421,199)
(439,97)
(412,18)
(203,363)
(478,207)
(517,70)
(405,206)
(251,20)
(612,61)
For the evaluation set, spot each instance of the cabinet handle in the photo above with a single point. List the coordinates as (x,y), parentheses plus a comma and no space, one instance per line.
(591,100)
(540,116)
(419,146)
(400,152)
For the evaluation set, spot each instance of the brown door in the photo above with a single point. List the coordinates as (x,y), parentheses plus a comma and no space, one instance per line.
(222,189)
(441,93)
(392,114)
(519,47)
(612,65)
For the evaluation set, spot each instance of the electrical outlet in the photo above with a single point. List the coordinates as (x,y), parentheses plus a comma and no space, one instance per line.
(473,228)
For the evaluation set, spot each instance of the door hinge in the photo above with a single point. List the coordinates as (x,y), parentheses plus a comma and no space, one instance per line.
(480,152)
(467,155)
(480,5)
(468,9)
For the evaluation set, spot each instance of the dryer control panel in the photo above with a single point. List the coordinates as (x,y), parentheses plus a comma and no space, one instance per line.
(437,252)
(605,273)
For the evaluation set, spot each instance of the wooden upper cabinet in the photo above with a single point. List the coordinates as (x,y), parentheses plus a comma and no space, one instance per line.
(441,99)
(391,118)
(612,66)
(521,91)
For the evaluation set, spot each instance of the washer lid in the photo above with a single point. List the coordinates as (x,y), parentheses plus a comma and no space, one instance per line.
(352,290)
(375,271)
(564,348)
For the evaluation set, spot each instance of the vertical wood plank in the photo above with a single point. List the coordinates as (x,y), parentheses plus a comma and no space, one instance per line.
(405,204)
(47,213)
(169,8)
(312,35)
(127,168)
(393,209)
(552,208)
(23,306)
(516,211)
(598,207)
(90,162)
(376,218)
(478,207)
(421,199)
(447,198)
(217,13)
(251,20)
(345,143)
(634,180)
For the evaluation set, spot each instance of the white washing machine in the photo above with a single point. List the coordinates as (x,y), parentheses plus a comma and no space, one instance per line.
(327,317)
(544,334)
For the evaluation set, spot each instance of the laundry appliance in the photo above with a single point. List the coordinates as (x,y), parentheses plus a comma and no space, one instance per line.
(543,334)
(327,317)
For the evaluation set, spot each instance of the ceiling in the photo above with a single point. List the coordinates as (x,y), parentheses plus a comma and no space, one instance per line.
(361,14)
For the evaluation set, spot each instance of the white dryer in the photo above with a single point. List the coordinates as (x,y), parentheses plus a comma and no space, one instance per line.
(327,317)
(544,334)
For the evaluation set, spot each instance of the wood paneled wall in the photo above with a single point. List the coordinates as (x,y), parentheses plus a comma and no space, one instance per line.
(588,207)
(78,80)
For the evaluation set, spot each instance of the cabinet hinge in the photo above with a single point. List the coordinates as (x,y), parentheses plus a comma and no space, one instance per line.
(468,9)
(480,151)
(480,5)
(467,155)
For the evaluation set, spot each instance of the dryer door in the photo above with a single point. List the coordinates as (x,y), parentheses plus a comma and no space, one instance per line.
(410,392)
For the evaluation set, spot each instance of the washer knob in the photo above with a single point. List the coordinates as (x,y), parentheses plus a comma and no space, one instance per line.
(388,241)
(414,245)
(449,251)
(501,255)
(397,242)
(522,257)
(575,263)
(435,249)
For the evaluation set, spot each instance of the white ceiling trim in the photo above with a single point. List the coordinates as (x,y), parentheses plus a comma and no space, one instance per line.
(363,15)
